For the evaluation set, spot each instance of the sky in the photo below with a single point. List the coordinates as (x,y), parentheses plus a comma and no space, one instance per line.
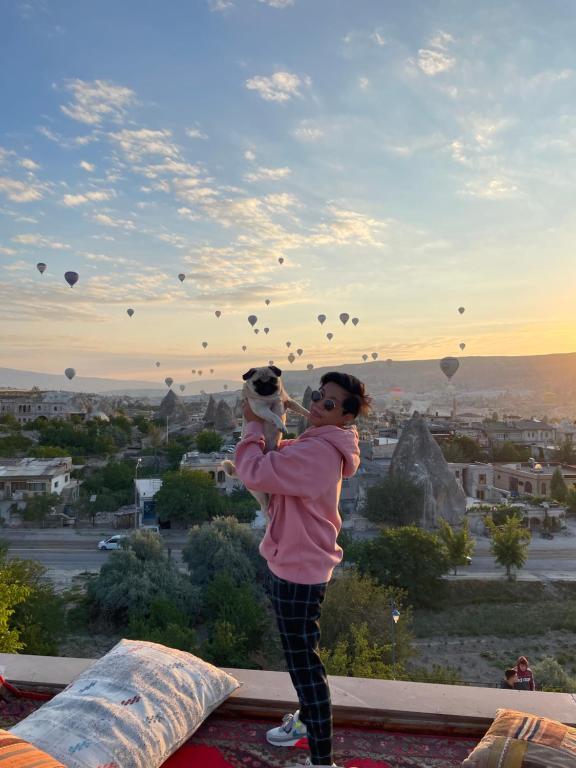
(403,159)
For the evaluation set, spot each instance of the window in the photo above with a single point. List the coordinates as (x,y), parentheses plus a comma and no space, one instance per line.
(480,495)
(19,485)
(212,475)
(482,479)
(36,486)
(56,483)
(67,478)
(221,477)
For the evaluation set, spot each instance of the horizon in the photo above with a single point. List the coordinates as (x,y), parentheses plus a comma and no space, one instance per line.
(403,162)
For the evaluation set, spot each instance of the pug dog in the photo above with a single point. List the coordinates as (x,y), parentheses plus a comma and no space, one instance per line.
(264,391)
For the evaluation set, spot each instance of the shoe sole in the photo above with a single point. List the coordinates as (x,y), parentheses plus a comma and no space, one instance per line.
(285,742)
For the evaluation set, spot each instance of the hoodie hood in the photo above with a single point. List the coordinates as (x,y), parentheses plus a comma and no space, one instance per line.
(345,440)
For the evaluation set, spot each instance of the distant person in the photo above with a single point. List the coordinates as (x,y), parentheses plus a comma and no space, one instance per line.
(303,478)
(510,679)
(525,675)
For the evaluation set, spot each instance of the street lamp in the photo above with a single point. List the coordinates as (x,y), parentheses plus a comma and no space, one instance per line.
(394,615)
(138,462)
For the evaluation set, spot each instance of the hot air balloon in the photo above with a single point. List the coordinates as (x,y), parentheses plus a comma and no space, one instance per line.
(211,370)
(449,366)
(329,336)
(461,310)
(288,344)
(168,381)
(267,302)
(182,387)
(157,365)
(321,319)
(462,346)
(71,278)
(364,357)
(225,386)
(181,277)
(355,320)
(344,317)
(244,349)
(70,373)
(217,313)
(41,267)
(256,331)
(389,361)
(374,355)
(252,319)
(270,362)
(266,331)
(193,370)
(204,344)
(200,372)
(310,366)
(299,352)
(291,357)
(281,260)
(129,312)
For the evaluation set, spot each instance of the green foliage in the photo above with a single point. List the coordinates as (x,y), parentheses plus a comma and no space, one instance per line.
(114,476)
(352,547)
(459,544)
(550,676)
(164,624)
(240,607)
(187,498)
(558,487)
(566,453)
(175,448)
(13,445)
(352,601)
(142,423)
(500,513)
(10,421)
(360,656)
(462,448)
(90,438)
(394,501)
(509,543)
(571,500)
(208,441)
(132,579)
(508,451)
(241,505)
(223,546)
(408,558)
(435,674)
(38,507)
(48,452)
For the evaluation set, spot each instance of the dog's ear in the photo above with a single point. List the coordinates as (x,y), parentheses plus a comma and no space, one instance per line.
(275,370)
(249,374)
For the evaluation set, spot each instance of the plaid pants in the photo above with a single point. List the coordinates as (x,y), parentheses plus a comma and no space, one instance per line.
(297,609)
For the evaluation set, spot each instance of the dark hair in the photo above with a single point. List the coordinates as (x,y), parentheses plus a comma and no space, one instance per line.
(509,673)
(358,402)
(522,660)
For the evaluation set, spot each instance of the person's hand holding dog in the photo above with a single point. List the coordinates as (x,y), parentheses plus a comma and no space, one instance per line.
(249,414)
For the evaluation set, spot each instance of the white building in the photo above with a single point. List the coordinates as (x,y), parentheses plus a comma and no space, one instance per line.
(30,404)
(145,491)
(476,480)
(22,478)
(212,464)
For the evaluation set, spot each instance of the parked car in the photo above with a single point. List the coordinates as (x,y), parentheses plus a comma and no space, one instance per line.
(114,542)
(151,528)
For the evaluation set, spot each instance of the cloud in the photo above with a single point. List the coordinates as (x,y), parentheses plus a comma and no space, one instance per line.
(196,133)
(220,5)
(550,77)
(378,38)
(363,82)
(40,241)
(278,3)
(5,154)
(21,191)
(97,100)
(8,251)
(268,174)
(136,144)
(72,201)
(434,62)
(29,165)
(85,165)
(281,86)
(441,40)
(308,132)
(110,221)
(249,155)
(497,188)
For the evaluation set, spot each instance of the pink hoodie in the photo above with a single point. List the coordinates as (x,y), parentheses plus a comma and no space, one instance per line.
(304,478)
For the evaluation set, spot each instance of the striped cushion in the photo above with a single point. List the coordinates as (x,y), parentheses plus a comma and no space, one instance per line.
(17,753)
(522,740)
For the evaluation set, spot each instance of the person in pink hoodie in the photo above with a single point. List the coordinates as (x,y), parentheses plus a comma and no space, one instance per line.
(304,478)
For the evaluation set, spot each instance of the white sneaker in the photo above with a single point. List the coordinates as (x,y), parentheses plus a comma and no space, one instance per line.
(289,733)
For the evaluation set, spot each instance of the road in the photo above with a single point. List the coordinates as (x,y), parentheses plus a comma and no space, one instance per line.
(67,556)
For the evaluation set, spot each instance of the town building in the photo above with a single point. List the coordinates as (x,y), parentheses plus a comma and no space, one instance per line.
(22,478)
(531,478)
(534,434)
(145,491)
(30,404)
(212,464)
(477,481)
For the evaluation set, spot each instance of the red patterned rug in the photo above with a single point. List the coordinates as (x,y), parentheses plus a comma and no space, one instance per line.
(222,743)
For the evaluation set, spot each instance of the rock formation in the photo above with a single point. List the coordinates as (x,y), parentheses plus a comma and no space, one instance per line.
(224,420)
(210,414)
(172,408)
(418,457)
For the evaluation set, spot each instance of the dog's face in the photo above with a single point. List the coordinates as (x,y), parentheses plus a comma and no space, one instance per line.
(265,381)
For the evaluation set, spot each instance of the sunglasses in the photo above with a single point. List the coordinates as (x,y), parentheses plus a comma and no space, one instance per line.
(317,396)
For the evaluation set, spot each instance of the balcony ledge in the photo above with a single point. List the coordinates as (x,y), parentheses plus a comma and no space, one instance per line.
(383,704)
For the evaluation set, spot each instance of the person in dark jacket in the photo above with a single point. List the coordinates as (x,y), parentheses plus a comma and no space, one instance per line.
(510,679)
(525,675)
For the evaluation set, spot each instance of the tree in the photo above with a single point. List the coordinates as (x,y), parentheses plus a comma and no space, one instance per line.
(551,676)
(38,507)
(241,505)
(462,448)
(508,451)
(225,646)
(558,487)
(459,544)
(187,498)
(510,542)
(165,624)
(222,546)
(394,501)
(408,558)
(361,656)
(571,500)
(208,441)
(566,453)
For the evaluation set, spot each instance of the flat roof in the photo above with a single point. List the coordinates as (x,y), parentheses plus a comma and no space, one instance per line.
(34,467)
